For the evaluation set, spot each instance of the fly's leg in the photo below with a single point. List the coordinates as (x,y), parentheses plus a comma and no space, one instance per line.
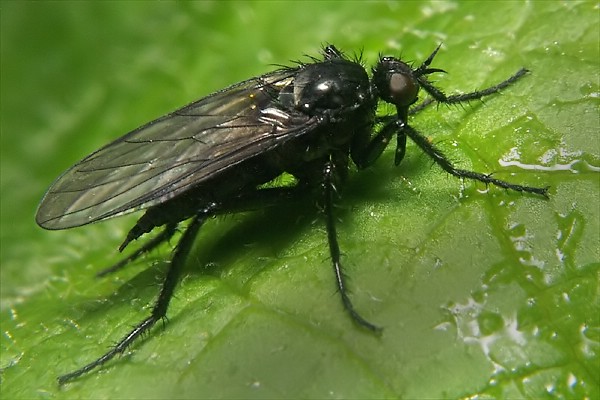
(155,217)
(432,151)
(423,70)
(373,150)
(440,97)
(249,201)
(381,140)
(255,200)
(162,237)
(329,190)
(162,303)
(364,157)
(421,106)
(275,196)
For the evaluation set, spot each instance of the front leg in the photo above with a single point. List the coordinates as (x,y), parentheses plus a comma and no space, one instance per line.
(366,156)
(440,159)
(441,97)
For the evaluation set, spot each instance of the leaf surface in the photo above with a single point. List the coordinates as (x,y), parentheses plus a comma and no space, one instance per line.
(481,292)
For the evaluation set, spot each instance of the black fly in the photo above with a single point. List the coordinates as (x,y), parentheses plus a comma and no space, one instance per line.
(212,156)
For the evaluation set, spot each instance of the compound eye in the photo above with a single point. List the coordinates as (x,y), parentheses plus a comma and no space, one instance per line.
(403,89)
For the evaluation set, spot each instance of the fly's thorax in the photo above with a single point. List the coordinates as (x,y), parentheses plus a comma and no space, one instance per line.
(334,85)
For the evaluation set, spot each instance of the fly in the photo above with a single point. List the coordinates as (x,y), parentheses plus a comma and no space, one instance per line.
(215,155)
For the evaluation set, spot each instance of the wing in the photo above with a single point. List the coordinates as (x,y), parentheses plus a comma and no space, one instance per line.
(163,158)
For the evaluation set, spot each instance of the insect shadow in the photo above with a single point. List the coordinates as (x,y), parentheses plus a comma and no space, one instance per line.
(213,256)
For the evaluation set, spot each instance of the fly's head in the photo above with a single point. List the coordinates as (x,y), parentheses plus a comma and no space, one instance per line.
(396,82)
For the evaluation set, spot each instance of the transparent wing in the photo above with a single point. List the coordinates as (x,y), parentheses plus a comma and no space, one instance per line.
(165,157)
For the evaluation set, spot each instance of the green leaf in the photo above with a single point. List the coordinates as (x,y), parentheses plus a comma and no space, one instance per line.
(482,292)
